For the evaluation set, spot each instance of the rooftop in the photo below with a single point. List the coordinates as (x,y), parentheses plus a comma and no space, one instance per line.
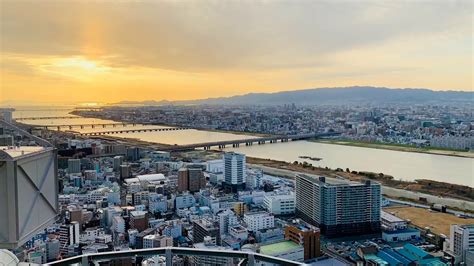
(146,178)
(330,181)
(279,247)
(19,151)
(390,217)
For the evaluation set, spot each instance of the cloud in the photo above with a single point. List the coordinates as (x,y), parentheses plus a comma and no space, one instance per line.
(203,36)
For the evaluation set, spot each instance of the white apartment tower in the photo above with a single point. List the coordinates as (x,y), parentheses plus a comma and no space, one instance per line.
(234,169)
(461,240)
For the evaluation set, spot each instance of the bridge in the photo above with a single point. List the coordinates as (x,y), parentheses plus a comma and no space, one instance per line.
(246,142)
(244,258)
(111,132)
(46,118)
(82,126)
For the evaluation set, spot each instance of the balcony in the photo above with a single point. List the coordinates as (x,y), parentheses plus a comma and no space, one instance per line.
(245,258)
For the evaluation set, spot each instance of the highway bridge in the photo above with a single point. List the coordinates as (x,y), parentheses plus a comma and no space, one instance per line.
(46,118)
(82,126)
(247,142)
(111,132)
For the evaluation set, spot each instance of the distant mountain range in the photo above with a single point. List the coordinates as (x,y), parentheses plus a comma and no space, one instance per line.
(333,96)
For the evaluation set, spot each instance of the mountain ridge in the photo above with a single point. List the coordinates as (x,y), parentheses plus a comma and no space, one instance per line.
(326,95)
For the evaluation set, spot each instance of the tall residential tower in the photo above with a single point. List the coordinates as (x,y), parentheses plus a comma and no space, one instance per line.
(234,170)
(338,207)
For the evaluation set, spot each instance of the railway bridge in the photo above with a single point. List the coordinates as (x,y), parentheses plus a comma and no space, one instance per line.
(247,141)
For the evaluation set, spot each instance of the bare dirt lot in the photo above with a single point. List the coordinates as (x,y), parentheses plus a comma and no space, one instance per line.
(438,222)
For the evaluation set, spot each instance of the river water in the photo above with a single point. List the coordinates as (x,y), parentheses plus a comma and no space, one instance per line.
(401,165)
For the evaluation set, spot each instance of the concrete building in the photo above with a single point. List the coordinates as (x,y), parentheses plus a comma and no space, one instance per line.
(280,204)
(339,208)
(28,190)
(53,247)
(234,170)
(117,163)
(125,171)
(73,166)
(183,180)
(396,229)
(285,249)
(259,220)
(196,179)
(452,142)
(238,232)
(226,218)
(461,241)
(205,228)
(191,178)
(118,224)
(306,236)
(209,243)
(184,201)
(138,220)
(270,235)
(7,114)
(68,235)
(157,241)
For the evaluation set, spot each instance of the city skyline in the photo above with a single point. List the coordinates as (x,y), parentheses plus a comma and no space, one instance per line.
(102,52)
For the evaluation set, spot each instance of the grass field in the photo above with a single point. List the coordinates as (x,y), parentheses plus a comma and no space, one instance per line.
(398,147)
(438,222)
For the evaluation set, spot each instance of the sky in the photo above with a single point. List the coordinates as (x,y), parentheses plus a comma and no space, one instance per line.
(58,51)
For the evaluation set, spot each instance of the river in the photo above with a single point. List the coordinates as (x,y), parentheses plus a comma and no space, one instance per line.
(402,165)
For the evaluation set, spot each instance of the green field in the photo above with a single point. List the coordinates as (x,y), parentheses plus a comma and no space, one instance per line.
(398,147)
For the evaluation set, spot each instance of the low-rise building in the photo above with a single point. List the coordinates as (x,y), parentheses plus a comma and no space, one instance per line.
(259,220)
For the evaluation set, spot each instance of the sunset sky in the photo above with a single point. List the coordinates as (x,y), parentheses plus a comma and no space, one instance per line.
(108,51)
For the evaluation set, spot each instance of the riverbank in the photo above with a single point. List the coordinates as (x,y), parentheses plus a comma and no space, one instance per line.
(429,187)
(389,192)
(396,147)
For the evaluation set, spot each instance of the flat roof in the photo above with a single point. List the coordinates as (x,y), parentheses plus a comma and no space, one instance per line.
(390,217)
(279,247)
(19,151)
(331,181)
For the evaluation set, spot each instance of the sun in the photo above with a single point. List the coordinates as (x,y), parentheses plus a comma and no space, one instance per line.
(76,67)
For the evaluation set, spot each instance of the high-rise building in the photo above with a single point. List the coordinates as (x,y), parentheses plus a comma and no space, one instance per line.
(182,180)
(307,236)
(73,166)
(196,179)
(28,189)
(117,162)
(191,178)
(339,207)
(125,171)
(461,241)
(133,154)
(68,235)
(234,170)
